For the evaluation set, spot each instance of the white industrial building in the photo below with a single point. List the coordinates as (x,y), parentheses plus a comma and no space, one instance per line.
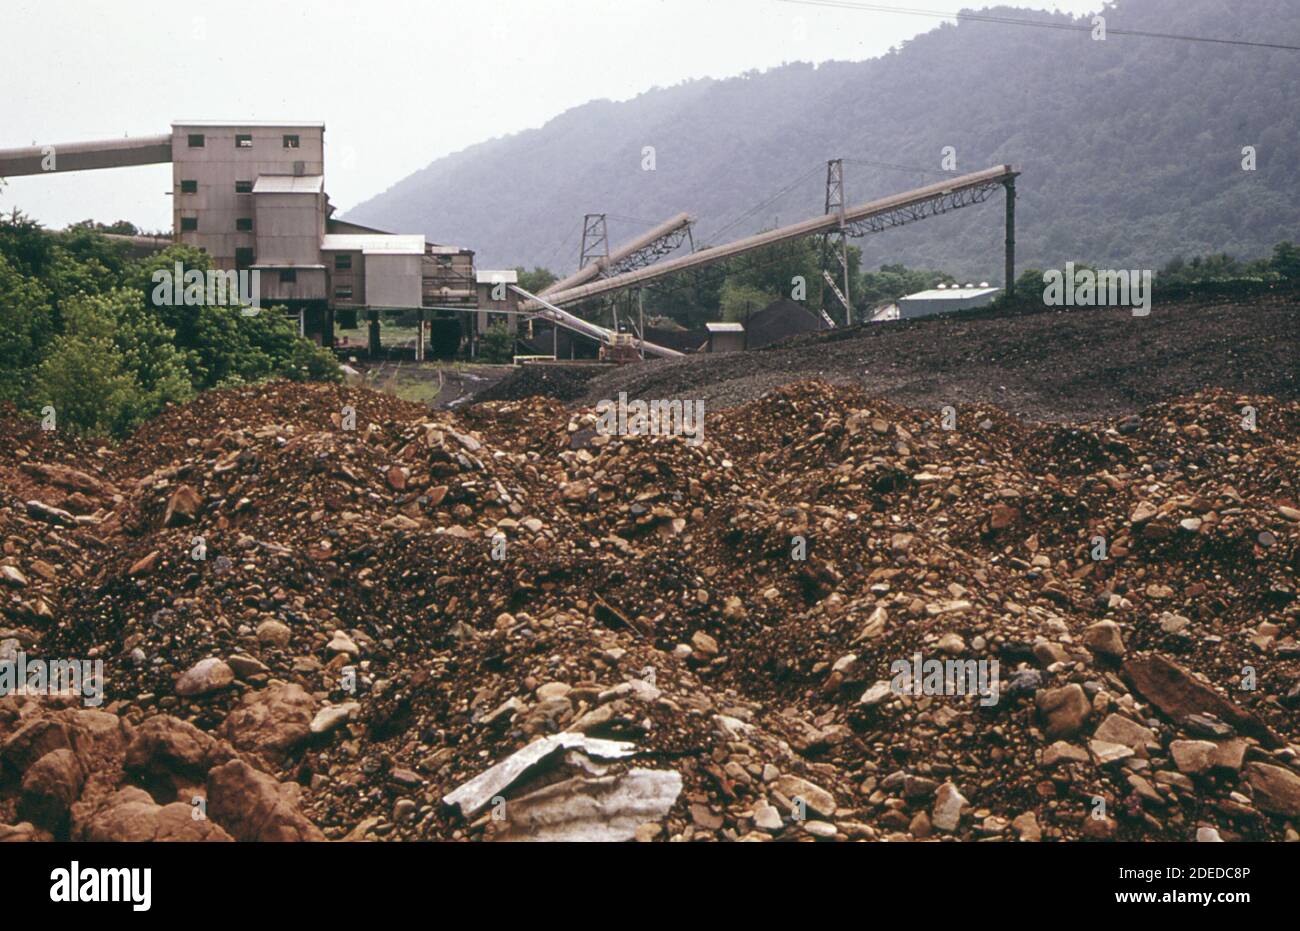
(942,300)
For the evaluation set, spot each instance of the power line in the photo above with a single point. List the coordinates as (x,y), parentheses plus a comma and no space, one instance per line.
(558,247)
(909,168)
(755,209)
(1010,21)
(641,220)
(804,177)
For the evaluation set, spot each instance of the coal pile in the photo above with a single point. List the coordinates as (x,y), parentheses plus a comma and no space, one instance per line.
(326,613)
(1063,364)
(561,382)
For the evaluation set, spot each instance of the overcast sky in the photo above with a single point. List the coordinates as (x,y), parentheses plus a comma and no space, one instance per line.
(398,83)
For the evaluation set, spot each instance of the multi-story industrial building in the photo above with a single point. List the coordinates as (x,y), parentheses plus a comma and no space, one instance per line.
(252,195)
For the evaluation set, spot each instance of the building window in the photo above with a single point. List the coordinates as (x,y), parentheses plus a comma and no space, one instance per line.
(196,140)
(243,257)
(189,224)
(343,292)
(189,187)
(288,275)
(244,224)
(243,141)
(243,187)
(291,142)
(342,262)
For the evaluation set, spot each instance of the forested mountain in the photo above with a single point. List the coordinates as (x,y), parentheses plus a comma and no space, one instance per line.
(1131,147)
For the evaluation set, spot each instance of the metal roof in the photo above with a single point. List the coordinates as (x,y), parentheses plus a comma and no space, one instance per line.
(500,276)
(252,124)
(725,327)
(949,294)
(373,244)
(289,184)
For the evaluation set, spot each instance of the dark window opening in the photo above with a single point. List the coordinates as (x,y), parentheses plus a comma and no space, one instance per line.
(189,187)
(189,224)
(243,257)
(288,275)
(243,187)
(343,293)
(196,140)
(244,224)
(342,262)
(243,141)
(291,142)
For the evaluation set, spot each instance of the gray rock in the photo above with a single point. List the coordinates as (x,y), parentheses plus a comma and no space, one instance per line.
(948,805)
(328,719)
(1192,756)
(207,675)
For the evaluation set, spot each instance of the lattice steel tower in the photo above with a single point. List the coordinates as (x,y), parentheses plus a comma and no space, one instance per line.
(835,246)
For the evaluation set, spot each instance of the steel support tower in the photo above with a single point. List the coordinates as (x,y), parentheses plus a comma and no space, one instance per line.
(835,246)
(595,240)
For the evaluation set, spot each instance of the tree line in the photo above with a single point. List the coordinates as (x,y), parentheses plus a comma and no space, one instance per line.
(81,335)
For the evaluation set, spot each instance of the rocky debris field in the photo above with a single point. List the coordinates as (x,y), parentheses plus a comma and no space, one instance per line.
(1064,364)
(326,613)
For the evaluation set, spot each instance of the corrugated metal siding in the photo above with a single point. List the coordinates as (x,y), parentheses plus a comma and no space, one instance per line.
(219,164)
(393,280)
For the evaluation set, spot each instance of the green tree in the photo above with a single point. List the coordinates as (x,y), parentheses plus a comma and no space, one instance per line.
(537,280)
(224,343)
(83,378)
(1286,260)
(779,269)
(72,301)
(739,300)
(27,324)
(132,357)
(497,344)
(1029,284)
(894,281)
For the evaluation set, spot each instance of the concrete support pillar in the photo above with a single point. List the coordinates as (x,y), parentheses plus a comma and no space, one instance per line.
(419,335)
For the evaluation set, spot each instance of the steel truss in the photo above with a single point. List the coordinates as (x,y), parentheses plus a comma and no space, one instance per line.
(932,207)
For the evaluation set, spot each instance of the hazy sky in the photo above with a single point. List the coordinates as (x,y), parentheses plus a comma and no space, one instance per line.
(398,83)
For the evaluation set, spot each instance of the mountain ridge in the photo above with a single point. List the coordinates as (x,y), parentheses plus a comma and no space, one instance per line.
(1131,148)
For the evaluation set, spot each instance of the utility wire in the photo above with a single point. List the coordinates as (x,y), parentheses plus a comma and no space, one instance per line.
(804,177)
(554,254)
(641,220)
(1010,21)
(890,165)
(755,209)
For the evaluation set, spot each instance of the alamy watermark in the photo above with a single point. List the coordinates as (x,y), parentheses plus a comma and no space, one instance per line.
(651,418)
(919,676)
(194,287)
(1103,288)
(20,675)
(76,883)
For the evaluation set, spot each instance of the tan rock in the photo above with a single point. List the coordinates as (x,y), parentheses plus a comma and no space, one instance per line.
(1063,710)
(817,799)
(253,806)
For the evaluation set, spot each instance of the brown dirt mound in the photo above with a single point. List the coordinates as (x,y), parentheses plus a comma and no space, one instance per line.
(432,592)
